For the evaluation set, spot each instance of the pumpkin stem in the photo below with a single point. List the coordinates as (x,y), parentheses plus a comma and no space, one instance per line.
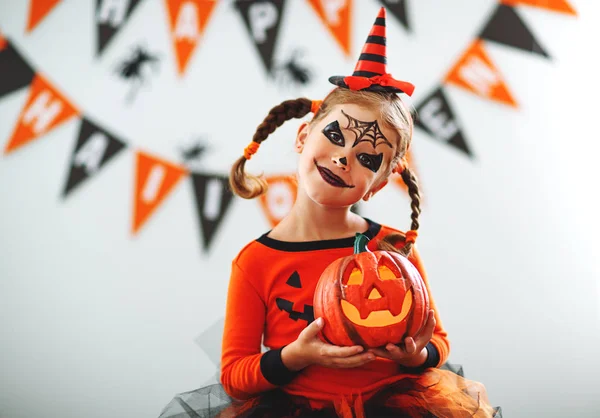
(360,243)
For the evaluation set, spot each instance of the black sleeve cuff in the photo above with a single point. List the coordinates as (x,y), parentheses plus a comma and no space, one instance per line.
(433,358)
(273,369)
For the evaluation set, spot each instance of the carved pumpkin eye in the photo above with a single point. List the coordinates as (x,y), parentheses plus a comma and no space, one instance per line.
(385,273)
(355,278)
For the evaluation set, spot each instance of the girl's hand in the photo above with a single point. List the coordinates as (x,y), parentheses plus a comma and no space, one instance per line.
(309,349)
(413,352)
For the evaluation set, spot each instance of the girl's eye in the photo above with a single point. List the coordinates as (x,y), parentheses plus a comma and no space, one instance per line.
(372,162)
(336,138)
(334,134)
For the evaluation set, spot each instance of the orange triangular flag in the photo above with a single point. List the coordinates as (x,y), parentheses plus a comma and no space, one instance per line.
(475,71)
(337,17)
(561,6)
(187,21)
(38,9)
(280,197)
(3,42)
(45,109)
(154,180)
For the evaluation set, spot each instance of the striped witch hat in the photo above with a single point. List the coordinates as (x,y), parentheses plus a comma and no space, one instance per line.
(370,73)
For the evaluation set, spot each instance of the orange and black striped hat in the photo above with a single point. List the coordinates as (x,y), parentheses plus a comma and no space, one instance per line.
(370,73)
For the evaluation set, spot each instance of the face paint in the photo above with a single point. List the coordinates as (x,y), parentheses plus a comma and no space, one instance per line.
(366,131)
(334,134)
(371,161)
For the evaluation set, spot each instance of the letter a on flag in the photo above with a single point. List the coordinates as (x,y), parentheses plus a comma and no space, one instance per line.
(187,21)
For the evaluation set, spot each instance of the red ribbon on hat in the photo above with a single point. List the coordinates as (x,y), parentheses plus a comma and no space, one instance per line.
(359,83)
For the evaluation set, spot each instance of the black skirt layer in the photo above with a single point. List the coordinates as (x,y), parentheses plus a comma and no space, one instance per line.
(436,393)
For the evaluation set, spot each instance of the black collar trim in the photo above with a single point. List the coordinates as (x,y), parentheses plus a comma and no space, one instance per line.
(328,244)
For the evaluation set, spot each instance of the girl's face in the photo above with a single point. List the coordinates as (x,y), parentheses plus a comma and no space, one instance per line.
(344,156)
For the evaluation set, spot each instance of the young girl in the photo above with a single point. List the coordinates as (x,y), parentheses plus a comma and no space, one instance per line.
(357,138)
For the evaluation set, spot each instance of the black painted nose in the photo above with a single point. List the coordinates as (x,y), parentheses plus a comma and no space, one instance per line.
(344,161)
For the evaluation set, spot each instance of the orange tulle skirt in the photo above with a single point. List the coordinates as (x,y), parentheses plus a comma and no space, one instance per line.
(434,393)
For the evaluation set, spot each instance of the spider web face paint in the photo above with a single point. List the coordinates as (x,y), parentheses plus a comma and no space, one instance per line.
(366,131)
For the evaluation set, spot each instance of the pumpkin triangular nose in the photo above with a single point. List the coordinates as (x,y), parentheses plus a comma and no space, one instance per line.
(374,294)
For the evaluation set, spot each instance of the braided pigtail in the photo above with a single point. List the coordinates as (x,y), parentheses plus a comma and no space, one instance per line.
(389,242)
(247,185)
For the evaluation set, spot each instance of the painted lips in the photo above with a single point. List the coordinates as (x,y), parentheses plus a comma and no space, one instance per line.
(331,178)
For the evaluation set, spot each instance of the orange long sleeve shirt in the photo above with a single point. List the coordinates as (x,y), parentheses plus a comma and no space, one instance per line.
(270,301)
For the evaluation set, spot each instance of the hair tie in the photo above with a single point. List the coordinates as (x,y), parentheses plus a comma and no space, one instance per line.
(251,149)
(315,106)
(411,236)
(399,168)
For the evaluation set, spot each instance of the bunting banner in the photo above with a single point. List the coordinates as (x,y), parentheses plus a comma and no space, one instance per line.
(16,72)
(519,36)
(187,22)
(279,198)
(337,17)
(94,148)
(154,180)
(262,19)
(436,117)
(213,198)
(398,9)
(476,72)
(46,108)
(38,10)
(111,16)
(561,6)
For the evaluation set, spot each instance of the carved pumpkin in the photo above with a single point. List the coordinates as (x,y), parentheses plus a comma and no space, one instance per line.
(370,298)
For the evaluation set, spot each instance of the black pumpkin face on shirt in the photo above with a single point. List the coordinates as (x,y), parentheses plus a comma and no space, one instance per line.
(308,314)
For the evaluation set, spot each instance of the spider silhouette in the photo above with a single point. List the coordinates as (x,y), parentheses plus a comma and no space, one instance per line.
(133,68)
(292,72)
(194,152)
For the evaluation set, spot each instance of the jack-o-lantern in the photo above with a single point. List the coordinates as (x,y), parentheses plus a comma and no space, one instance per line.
(370,298)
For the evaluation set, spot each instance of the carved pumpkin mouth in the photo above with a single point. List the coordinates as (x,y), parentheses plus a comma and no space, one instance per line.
(381,318)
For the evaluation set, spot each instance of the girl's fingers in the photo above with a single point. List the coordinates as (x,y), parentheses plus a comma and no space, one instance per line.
(335,351)
(410,346)
(312,330)
(381,353)
(393,349)
(354,361)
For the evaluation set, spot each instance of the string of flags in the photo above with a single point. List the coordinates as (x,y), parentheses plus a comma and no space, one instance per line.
(186,20)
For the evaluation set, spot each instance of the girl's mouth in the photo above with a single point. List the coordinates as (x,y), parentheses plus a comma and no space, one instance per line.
(331,178)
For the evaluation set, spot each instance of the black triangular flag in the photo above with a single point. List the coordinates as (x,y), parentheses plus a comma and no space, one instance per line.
(213,198)
(15,71)
(435,116)
(94,148)
(398,9)
(294,280)
(263,19)
(506,27)
(111,16)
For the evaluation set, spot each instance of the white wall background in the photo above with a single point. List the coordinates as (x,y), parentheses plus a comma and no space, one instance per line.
(97,323)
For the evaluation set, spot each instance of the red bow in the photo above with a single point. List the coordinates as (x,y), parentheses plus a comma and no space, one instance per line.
(359,83)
